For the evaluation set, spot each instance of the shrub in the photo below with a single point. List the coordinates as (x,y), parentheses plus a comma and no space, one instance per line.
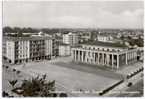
(5,94)
(14,70)
(7,67)
(38,87)
(13,83)
(18,72)
(62,95)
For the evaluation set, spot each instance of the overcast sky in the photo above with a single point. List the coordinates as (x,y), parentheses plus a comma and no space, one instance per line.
(74,14)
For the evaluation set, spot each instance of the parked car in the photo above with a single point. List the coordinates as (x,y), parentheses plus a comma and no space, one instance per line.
(129,84)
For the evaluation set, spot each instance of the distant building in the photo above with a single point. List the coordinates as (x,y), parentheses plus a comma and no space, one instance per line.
(70,38)
(104,54)
(24,49)
(104,37)
(64,50)
(85,37)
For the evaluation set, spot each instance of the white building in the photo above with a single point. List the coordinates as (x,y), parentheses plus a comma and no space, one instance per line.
(104,54)
(64,50)
(70,38)
(104,37)
(24,49)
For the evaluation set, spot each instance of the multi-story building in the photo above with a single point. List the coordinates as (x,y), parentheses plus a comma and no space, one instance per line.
(70,38)
(24,49)
(64,50)
(104,54)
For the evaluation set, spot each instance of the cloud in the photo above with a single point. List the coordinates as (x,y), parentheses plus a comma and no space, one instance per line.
(74,14)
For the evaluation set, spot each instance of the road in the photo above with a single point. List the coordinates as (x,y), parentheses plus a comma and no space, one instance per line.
(137,90)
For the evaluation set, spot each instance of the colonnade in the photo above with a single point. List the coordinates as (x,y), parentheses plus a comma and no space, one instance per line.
(110,59)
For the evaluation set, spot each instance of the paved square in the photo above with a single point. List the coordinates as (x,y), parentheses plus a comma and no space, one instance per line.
(69,79)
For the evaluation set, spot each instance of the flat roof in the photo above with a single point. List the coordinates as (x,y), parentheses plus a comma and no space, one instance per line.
(63,44)
(104,34)
(27,38)
(106,44)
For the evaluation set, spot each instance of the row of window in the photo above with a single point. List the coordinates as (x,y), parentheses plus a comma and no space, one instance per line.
(101,49)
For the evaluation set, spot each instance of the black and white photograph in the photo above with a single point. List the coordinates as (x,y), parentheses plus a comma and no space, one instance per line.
(79,48)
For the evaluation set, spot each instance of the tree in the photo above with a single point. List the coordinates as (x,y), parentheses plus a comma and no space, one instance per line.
(122,37)
(38,87)
(7,29)
(63,95)
(13,83)
(5,94)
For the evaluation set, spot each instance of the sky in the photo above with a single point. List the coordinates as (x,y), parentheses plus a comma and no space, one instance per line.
(73,14)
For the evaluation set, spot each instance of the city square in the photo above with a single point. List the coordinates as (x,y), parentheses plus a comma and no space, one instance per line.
(72,49)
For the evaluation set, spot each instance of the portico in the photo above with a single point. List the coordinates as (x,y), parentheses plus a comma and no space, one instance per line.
(112,59)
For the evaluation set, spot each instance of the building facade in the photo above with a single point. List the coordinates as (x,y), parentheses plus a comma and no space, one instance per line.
(70,38)
(64,50)
(24,49)
(113,57)
(104,37)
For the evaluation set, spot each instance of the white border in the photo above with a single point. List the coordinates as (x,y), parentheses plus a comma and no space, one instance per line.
(50,0)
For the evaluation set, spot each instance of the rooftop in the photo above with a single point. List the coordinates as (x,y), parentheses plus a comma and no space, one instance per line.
(26,38)
(104,34)
(63,44)
(106,44)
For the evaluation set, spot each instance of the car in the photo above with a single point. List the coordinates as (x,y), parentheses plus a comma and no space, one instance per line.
(129,84)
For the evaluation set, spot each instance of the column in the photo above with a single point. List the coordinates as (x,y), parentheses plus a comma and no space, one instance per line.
(98,58)
(126,58)
(72,54)
(78,55)
(82,56)
(102,58)
(112,61)
(94,57)
(129,57)
(105,59)
(108,59)
(75,55)
(133,56)
(117,61)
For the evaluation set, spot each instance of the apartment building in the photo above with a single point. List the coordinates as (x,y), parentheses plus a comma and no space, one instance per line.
(64,50)
(24,49)
(70,38)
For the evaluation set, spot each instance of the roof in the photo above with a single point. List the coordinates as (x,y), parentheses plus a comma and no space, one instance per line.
(104,34)
(27,38)
(63,44)
(106,44)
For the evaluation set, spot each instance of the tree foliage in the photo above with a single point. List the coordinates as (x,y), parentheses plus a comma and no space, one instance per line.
(38,87)
(13,82)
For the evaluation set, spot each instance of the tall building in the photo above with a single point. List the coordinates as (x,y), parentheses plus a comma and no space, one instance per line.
(70,38)
(64,50)
(24,49)
(104,54)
